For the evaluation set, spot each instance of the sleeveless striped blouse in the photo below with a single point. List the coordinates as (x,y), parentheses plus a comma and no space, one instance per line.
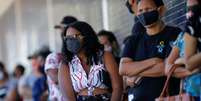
(79,77)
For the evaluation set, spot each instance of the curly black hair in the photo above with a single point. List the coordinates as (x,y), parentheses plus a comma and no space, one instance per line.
(91,45)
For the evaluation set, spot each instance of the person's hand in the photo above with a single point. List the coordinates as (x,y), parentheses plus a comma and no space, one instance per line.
(130,81)
(179,61)
(167,68)
(195,70)
(181,72)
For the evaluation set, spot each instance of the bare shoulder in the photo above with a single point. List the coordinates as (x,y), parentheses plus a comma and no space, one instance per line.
(109,58)
(108,54)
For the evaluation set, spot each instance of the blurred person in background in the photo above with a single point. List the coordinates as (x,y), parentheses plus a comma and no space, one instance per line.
(65,22)
(13,94)
(51,69)
(26,83)
(87,72)
(110,43)
(52,64)
(4,81)
(19,71)
(39,91)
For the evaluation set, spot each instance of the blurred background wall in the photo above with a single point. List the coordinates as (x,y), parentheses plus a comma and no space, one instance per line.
(27,25)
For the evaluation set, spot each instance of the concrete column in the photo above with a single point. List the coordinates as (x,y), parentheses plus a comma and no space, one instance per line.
(105,14)
(18,26)
(51,31)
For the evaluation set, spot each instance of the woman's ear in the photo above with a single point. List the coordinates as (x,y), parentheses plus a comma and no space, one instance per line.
(132,1)
(162,10)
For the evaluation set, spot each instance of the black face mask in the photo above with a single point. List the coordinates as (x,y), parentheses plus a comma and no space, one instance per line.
(73,45)
(129,7)
(148,18)
(196,10)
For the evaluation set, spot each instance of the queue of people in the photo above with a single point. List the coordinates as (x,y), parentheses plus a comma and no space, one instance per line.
(93,67)
(149,55)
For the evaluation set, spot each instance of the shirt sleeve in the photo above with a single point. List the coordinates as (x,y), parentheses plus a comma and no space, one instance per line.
(23,81)
(128,50)
(179,41)
(138,28)
(12,84)
(173,34)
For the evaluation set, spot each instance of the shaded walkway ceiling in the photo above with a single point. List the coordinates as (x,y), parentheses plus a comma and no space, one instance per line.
(4,5)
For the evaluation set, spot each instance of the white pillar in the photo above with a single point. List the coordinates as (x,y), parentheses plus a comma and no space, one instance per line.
(105,14)
(52,38)
(18,26)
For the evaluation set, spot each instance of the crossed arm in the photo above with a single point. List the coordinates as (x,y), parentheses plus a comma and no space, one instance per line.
(188,60)
(153,67)
(173,58)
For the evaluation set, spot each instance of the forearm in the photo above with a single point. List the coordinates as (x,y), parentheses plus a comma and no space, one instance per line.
(183,72)
(193,61)
(155,71)
(134,68)
(117,88)
(180,61)
(174,55)
(116,94)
